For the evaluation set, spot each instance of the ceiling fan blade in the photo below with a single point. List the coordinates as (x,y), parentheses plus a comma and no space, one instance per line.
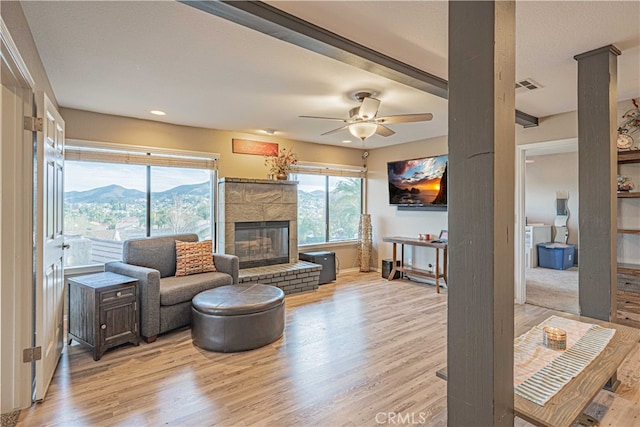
(384,131)
(324,118)
(369,108)
(404,118)
(335,130)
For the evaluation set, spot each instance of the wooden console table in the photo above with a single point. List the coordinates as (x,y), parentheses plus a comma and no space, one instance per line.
(416,271)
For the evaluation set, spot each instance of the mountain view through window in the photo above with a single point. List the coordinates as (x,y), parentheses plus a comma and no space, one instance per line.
(106,204)
(329,208)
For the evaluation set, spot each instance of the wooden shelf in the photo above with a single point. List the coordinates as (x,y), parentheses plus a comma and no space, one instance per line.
(419,272)
(628,268)
(631,156)
(628,293)
(628,231)
(629,195)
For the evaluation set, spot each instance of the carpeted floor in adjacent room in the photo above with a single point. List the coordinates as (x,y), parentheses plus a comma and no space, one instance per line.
(555,289)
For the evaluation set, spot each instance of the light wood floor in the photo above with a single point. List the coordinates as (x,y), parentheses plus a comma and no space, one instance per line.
(353,352)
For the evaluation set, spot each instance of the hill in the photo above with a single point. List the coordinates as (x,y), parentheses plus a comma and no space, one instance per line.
(117,193)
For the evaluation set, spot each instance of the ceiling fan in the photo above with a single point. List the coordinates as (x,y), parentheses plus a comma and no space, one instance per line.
(363,123)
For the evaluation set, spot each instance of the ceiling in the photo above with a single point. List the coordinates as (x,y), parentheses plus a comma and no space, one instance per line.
(127,58)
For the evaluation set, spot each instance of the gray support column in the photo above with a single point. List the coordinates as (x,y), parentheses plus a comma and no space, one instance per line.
(597,168)
(481,213)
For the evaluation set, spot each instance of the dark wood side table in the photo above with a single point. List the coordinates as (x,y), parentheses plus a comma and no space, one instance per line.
(103,311)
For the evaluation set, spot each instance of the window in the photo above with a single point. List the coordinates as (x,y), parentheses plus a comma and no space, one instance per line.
(312,209)
(181,201)
(112,196)
(329,204)
(345,207)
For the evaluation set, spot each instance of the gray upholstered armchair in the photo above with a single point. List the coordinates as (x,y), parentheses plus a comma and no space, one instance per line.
(165,300)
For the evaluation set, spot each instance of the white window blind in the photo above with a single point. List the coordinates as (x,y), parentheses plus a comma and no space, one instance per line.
(330,170)
(92,154)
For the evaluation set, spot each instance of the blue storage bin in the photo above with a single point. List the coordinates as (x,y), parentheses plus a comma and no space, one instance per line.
(558,256)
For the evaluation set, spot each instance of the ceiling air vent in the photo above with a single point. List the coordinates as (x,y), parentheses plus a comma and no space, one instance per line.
(528,84)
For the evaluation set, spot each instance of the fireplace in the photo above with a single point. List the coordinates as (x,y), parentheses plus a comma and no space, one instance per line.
(260,243)
(258,201)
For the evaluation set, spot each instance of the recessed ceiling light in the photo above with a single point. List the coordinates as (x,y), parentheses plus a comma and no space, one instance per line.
(270,131)
(158,112)
(346,141)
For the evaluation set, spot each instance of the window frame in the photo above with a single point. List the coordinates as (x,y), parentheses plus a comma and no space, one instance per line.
(92,151)
(328,170)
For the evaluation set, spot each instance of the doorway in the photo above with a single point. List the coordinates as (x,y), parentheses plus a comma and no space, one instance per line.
(544,172)
(16,158)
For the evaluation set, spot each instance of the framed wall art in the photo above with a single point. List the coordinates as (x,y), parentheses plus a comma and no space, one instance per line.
(258,148)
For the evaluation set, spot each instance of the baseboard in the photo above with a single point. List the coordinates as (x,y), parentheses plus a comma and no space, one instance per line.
(355,270)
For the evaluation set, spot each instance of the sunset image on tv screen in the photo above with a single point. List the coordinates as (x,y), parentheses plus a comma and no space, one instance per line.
(418,181)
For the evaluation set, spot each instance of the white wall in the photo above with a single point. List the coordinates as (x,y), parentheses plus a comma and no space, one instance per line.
(387,220)
(546,175)
(90,126)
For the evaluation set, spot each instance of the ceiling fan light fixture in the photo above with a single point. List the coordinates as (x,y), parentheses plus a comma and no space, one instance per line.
(363,130)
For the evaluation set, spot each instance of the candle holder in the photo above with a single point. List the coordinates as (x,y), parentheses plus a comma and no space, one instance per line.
(554,338)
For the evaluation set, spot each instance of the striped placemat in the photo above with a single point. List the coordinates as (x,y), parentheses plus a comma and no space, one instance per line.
(530,355)
(547,381)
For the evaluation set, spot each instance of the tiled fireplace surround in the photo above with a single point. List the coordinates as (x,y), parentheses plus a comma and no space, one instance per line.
(248,200)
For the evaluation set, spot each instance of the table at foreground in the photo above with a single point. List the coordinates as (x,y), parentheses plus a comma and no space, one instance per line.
(567,406)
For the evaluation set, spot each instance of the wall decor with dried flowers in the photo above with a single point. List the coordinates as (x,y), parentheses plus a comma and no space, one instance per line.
(280,165)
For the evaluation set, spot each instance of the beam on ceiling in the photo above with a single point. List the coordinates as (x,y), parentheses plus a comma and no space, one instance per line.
(274,22)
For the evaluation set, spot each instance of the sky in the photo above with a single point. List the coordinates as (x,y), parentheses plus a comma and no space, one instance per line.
(410,173)
(82,176)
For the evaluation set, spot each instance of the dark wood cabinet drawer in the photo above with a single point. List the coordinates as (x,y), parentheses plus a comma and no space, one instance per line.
(629,282)
(628,311)
(121,294)
(625,319)
(629,301)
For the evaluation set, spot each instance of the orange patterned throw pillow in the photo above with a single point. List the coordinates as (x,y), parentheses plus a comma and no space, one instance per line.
(194,257)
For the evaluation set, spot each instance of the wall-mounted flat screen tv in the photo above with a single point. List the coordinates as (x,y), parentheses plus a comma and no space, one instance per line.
(418,182)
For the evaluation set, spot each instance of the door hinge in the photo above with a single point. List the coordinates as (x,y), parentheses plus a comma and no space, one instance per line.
(33,124)
(31,354)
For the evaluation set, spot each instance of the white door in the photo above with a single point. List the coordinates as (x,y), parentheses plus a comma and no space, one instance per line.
(49,243)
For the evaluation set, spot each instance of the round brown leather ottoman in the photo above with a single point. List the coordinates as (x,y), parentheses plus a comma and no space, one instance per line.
(237,317)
